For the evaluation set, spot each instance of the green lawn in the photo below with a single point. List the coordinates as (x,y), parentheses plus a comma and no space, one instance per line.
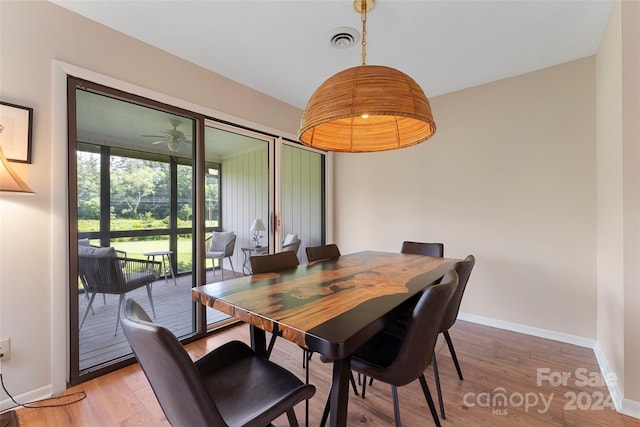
(136,249)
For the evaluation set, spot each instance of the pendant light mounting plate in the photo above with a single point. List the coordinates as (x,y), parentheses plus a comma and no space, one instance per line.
(369,5)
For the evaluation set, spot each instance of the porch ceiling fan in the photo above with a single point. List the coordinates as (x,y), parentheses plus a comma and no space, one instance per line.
(174,138)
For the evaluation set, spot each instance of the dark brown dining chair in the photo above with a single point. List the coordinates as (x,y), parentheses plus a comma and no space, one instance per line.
(401,359)
(463,268)
(417,248)
(322,252)
(273,262)
(270,263)
(230,386)
(402,313)
(421,248)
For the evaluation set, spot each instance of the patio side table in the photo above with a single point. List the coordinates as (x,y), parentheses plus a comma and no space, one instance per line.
(259,250)
(164,255)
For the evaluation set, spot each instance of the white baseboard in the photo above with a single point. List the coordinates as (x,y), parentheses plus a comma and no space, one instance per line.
(30,396)
(622,405)
(630,408)
(529,330)
(613,386)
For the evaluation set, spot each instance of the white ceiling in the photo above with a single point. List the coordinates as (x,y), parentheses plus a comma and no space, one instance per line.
(281,47)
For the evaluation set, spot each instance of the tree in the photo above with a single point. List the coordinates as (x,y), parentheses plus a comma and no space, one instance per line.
(132,180)
(88,179)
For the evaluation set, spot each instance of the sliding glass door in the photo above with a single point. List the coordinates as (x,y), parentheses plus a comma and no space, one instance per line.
(154,191)
(301,200)
(132,221)
(246,197)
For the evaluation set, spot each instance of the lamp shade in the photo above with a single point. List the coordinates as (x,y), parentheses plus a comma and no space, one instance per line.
(10,182)
(367,108)
(257,225)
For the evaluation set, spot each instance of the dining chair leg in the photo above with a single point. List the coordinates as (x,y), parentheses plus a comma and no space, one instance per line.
(325,413)
(364,384)
(291,416)
(272,341)
(353,384)
(396,406)
(306,357)
(306,402)
(436,375)
(427,395)
(453,353)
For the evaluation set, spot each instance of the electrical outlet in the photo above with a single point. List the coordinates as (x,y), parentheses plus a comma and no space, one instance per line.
(5,349)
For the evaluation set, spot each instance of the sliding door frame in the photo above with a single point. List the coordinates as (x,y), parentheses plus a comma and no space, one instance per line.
(73,84)
(64,173)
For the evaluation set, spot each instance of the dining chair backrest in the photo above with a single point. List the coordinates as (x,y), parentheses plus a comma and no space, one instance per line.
(420,248)
(414,354)
(273,262)
(317,253)
(463,268)
(172,374)
(420,339)
(229,386)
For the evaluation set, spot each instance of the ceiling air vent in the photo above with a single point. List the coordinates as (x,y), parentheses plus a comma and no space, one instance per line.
(344,37)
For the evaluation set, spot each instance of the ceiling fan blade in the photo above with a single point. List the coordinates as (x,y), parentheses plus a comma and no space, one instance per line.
(153,136)
(158,142)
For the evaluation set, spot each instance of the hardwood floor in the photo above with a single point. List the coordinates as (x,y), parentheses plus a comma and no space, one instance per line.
(525,369)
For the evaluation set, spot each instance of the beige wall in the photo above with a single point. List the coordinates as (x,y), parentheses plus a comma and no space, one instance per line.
(618,136)
(631,162)
(610,209)
(509,177)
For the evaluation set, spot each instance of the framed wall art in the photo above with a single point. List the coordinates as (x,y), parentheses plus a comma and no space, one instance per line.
(15,132)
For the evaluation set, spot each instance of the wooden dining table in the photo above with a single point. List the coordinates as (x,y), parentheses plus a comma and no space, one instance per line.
(330,307)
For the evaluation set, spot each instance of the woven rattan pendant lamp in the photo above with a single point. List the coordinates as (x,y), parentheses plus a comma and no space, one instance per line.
(367,108)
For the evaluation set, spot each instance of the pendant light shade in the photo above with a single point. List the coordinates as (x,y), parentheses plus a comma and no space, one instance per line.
(367,108)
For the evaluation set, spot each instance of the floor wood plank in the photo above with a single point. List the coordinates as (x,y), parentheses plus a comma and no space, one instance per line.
(492,360)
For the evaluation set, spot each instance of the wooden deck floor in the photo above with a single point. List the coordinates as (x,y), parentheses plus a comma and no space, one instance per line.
(173,306)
